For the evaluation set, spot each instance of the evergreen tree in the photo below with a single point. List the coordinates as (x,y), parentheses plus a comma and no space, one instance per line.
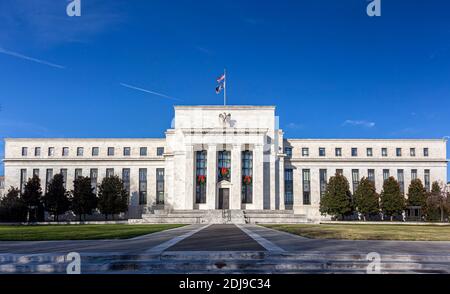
(392,200)
(417,195)
(83,200)
(337,200)
(367,200)
(56,201)
(32,197)
(436,204)
(112,197)
(12,207)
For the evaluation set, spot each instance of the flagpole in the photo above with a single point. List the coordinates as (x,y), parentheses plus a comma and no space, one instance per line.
(225,87)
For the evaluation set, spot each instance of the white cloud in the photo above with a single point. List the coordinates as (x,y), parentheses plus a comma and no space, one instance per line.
(293,125)
(359,123)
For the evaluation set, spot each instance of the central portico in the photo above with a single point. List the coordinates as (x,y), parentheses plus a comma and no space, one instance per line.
(224,157)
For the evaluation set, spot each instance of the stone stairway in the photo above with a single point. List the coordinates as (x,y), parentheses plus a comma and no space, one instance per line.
(274,217)
(221,217)
(225,262)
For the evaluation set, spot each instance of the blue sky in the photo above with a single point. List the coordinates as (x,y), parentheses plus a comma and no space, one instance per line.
(332,71)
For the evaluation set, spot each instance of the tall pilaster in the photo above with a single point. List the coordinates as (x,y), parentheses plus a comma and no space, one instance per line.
(281,183)
(236,177)
(211,177)
(189,177)
(258,177)
(272,174)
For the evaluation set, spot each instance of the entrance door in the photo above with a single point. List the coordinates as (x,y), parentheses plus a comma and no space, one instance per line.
(224,198)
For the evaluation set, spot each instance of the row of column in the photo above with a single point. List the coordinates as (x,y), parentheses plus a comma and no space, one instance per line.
(236,177)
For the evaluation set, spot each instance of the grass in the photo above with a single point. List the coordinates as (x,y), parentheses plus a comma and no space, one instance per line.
(368,232)
(78,232)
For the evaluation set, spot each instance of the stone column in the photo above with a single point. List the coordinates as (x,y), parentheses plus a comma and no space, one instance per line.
(211,177)
(189,177)
(236,177)
(281,183)
(258,177)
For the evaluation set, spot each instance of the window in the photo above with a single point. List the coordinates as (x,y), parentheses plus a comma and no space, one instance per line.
(94,178)
(354,152)
(160,186)
(110,151)
(288,152)
(23,179)
(355,179)
(338,152)
(369,152)
(247,177)
(51,151)
(80,151)
(401,180)
(386,174)
(126,151)
(48,178)
(371,175)
(160,151)
(126,179)
(427,180)
(288,187)
(321,151)
(305,152)
(36,172)
(306,187)
(339,172)
(412,152)
(37,151)
(64,174)
(143,151)
(78,173)
(65,151)
(398,152)
(24,151)
(142,186)
(109,172)
(323,182)
(95,151)
(201,172)
(384,152)
(425,152)
(224,166)
(413,174)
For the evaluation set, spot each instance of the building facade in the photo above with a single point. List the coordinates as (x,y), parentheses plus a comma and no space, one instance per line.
(226,158)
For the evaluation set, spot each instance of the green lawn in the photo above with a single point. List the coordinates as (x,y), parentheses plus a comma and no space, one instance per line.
(78,232)
(368,232)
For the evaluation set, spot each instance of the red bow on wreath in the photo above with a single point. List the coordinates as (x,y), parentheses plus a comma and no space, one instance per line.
(247,180)
(201,179)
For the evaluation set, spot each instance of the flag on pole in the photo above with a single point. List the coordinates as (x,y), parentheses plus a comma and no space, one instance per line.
(221,78)
(219,88)
(222,85)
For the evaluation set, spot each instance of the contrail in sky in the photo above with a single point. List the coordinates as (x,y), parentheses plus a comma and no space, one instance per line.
(148,91)
(24,57)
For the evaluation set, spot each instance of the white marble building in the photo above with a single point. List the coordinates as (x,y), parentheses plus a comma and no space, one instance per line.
(225,157)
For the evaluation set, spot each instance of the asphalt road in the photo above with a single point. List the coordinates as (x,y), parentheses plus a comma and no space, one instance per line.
(218,238)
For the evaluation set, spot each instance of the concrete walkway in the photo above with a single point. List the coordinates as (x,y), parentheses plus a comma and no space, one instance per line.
(294,243)
(136,245)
